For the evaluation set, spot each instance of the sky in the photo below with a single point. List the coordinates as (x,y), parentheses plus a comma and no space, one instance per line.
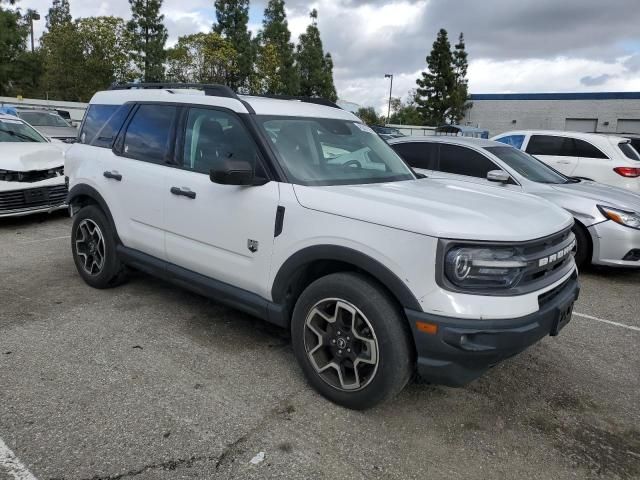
(513,45)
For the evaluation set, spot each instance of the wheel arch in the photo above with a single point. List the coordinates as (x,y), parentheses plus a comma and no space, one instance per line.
(588,235)
(311,263)
(82,195)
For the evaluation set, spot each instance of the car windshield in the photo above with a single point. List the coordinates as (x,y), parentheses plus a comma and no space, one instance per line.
(529,167)
(17,131)
(321,151)
(43,119)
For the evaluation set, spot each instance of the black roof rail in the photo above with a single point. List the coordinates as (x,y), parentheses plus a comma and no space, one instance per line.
(210,89)
(316,100)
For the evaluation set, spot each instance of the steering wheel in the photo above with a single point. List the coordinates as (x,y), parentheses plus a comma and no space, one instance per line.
(352,163)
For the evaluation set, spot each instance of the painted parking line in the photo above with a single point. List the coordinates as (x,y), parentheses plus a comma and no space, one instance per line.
(10,464)
(630,327)
(41,240)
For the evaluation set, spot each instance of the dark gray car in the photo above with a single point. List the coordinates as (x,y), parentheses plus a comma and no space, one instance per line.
(49,123)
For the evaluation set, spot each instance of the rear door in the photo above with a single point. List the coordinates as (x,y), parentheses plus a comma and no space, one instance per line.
(557,151)
(225,232)
(594,163)
(419,155)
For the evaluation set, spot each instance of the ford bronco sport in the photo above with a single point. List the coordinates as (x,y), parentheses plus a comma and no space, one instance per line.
(295,211)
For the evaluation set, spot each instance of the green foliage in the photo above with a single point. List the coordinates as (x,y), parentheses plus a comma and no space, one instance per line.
(148,36)
(13,37)
(369,116)
(314,67)
(232,19)
(405,113)
(202,58)
(275,67)
(442,90)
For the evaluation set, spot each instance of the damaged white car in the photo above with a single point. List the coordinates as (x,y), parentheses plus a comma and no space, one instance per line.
(31,170)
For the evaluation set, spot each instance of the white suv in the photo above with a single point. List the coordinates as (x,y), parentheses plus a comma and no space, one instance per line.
(607,159)
(297,213)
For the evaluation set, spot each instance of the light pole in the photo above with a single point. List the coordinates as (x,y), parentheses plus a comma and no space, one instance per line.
(389,75)
(33,15)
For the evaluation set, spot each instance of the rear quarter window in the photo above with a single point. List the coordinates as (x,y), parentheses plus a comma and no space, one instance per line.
(629,151)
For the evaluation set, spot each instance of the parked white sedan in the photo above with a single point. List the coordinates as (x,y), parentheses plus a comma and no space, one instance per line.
(607,159)
(31,170)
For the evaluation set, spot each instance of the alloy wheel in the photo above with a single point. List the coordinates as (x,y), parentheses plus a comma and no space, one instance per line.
(90,246)
(341,344)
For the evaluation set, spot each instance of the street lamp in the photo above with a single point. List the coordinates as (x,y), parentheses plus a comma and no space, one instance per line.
(389,75)
(33,15)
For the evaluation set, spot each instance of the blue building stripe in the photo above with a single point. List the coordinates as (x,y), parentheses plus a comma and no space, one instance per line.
(558,96)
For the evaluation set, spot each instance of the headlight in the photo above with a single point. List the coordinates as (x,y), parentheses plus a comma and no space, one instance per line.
(623,217)
(469,267)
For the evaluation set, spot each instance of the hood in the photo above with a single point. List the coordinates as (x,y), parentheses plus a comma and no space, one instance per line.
(58,132)
(26,157)
(441,208)
(601,194)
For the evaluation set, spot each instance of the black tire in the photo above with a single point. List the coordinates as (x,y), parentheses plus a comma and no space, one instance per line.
(388,332)
(583,246)
(112,271)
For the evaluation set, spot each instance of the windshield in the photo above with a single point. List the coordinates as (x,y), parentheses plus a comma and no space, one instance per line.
(43,119)
(529,167)
(18,131)
(320,151)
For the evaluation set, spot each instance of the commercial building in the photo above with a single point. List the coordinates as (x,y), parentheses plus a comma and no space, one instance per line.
(584,112)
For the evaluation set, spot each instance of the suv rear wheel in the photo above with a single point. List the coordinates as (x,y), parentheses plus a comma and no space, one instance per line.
(94,249)
(350,340)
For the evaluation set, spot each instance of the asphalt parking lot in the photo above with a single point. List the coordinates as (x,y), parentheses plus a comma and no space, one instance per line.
(152,382)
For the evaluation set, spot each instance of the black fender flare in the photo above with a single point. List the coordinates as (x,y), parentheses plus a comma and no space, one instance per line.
(83,190)
(346,255)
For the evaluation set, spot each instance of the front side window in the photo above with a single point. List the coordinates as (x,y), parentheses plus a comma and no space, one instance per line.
(513,140)
(17,131)
(552,145)
(464,161)
(418,154)
(321,151)
(149,133)
(213,136)
(529,167)
(102,123)
(43,119)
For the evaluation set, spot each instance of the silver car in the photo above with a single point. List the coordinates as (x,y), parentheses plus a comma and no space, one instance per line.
(49,123)
(607,219)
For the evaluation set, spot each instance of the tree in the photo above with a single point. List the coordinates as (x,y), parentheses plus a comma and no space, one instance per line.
(460,95)
(232,19)
(13,36)
(202,58)
(437,84)
(149,37)
(405,113)
(368,115)
(314,67)
(276,53)
(62,53)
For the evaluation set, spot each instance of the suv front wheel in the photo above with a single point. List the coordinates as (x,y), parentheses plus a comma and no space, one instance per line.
(94,249)
(350,340)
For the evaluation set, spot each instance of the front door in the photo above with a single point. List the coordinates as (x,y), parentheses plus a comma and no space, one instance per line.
(225,232)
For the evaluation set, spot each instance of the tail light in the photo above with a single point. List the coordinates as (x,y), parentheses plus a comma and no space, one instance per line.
(630,172)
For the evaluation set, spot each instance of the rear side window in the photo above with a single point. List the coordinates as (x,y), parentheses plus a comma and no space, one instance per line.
(418,154)
(551,145)
(629,151)
(513,140)
(464,161)
(585,149)
(148,135)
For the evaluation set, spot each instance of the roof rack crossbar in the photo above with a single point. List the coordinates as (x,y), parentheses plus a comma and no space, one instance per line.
(210,89)
(316,100)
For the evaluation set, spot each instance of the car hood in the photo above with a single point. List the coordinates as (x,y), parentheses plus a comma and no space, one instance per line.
(58,132)
(26,157)
(441,208)
(601,194)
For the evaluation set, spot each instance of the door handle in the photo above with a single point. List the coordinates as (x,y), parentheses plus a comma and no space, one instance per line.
(183,192)
(113,175)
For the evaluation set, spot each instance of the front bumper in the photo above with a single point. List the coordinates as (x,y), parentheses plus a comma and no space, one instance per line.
(612,242)
(45,196)
(463,349)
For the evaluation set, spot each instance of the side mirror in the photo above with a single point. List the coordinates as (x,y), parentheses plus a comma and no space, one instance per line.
(498,176)
(235,172)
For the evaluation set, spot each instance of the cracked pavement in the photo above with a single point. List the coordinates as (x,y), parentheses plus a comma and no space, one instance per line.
(149,381)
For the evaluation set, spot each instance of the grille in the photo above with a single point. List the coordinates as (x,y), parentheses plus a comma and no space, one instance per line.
(32,198)
(31,176)
(547,258)
(551,294)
